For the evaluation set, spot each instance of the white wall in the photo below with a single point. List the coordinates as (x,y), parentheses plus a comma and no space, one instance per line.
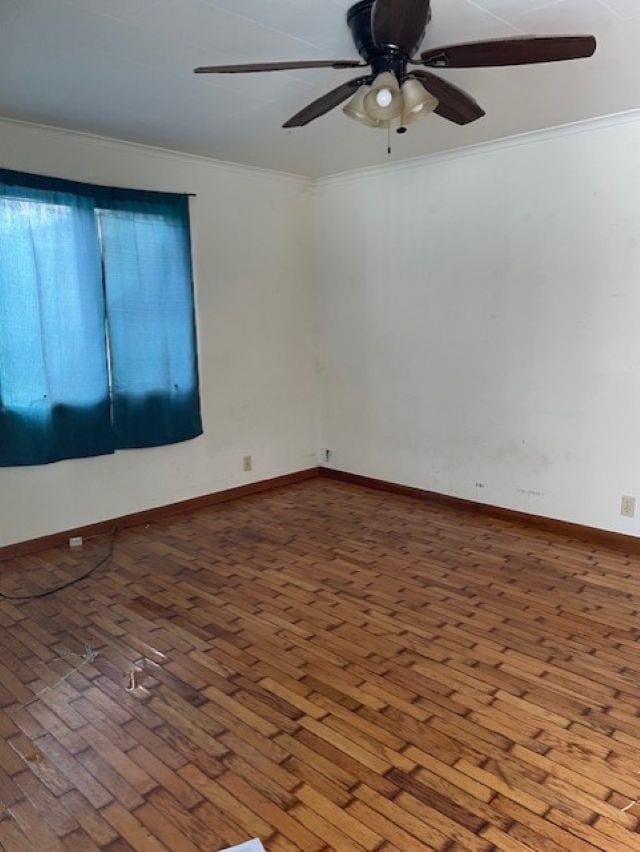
(476,318)
(480,323)
(256,337)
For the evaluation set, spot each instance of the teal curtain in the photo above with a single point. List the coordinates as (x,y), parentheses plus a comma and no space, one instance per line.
(54,392)
(97,333)
(147,271)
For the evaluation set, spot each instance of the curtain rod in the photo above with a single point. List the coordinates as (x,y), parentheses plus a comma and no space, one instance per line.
(100,185)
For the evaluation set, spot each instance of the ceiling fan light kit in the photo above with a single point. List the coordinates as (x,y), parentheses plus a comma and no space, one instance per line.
(387,35)
(386,103)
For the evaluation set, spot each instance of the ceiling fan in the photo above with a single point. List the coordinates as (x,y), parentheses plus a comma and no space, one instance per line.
(387,33)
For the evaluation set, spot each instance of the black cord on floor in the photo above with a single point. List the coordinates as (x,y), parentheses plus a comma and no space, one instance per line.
(103,561)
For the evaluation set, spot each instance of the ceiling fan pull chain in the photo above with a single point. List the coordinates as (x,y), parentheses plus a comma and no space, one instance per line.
(389,140)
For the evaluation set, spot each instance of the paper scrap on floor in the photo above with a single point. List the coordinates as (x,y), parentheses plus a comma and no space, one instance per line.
(249,846)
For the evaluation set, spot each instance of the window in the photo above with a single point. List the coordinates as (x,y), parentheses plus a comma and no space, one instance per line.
(97,332)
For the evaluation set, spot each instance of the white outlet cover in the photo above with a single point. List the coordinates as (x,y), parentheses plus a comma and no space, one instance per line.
(628,507)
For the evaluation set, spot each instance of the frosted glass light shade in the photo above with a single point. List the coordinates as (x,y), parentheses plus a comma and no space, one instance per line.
(355,108)
(392,123)
(417,100)
(384,82)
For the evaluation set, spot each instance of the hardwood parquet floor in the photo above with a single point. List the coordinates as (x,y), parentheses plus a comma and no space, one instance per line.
(324,667)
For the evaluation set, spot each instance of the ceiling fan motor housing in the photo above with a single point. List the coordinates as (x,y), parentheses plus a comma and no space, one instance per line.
(381,58)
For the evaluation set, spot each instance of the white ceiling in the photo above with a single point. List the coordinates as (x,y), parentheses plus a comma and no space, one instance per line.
(123,68)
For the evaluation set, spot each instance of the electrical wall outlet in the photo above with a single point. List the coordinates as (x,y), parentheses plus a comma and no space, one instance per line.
(76,541)
(628,507)
(247,463)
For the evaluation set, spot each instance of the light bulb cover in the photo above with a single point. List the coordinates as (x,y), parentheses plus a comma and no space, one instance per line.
(385,82)
(392,123)
(417,100)
(355,108)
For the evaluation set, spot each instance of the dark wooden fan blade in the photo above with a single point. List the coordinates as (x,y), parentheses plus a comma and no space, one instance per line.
(400,23)
(324,104)
(277,66)
(453,104)
(510,51)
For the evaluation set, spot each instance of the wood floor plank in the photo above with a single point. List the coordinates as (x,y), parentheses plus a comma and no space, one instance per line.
(326,667)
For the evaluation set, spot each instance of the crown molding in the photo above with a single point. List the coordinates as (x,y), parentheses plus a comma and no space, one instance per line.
(534,137)
(156,152)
